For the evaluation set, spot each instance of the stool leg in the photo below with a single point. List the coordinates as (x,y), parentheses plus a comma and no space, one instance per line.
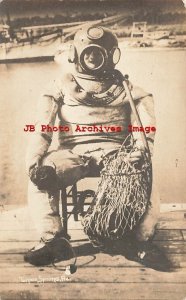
(64,210)
(74,201)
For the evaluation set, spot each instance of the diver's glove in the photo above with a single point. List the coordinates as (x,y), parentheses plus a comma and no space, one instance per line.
(44,177)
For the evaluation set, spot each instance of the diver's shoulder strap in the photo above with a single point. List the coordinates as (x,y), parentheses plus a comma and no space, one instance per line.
(136,115)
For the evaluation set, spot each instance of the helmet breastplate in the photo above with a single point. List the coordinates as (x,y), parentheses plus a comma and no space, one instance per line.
(89,95)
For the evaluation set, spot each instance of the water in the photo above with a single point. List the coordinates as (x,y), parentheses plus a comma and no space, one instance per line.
(161,72)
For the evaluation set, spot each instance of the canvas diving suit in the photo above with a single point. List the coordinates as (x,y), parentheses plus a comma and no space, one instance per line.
(91,103)
(79,152)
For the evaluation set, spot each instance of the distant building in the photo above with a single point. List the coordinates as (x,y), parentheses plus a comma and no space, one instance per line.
(4,28)
(4,33)
(139,29)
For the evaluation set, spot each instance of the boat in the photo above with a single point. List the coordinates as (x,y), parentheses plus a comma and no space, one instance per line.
(30,45)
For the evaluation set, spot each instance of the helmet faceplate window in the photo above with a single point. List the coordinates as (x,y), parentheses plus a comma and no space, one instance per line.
(116,55)
(93,58)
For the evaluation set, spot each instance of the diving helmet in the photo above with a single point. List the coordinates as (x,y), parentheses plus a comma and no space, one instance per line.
(95,50)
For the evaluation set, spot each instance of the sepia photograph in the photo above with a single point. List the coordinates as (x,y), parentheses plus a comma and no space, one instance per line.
(93,149)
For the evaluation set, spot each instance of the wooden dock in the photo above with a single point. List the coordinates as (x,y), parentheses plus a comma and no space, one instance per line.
(99,275)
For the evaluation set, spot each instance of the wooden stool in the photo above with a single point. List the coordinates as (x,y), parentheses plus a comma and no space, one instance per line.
(78,202)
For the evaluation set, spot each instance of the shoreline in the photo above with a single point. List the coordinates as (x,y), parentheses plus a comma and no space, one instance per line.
(140,49)
(52,57)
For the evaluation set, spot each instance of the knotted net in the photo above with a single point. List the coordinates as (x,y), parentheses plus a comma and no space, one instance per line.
(122,196)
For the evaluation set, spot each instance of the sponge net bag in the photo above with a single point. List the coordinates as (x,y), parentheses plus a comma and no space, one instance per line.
(122,197)
(124,190)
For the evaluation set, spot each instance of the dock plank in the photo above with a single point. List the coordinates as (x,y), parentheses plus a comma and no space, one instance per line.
(94,260)
(33,235)
(102,291)
(20,247)
(20,218)
(184,234)
(93,274)
(100,275)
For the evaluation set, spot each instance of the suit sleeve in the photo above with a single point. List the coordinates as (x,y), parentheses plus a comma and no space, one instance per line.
(145,107)
(46,113)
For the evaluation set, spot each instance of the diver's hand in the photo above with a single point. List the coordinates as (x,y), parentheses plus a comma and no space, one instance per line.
(32,163)
(136,155)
